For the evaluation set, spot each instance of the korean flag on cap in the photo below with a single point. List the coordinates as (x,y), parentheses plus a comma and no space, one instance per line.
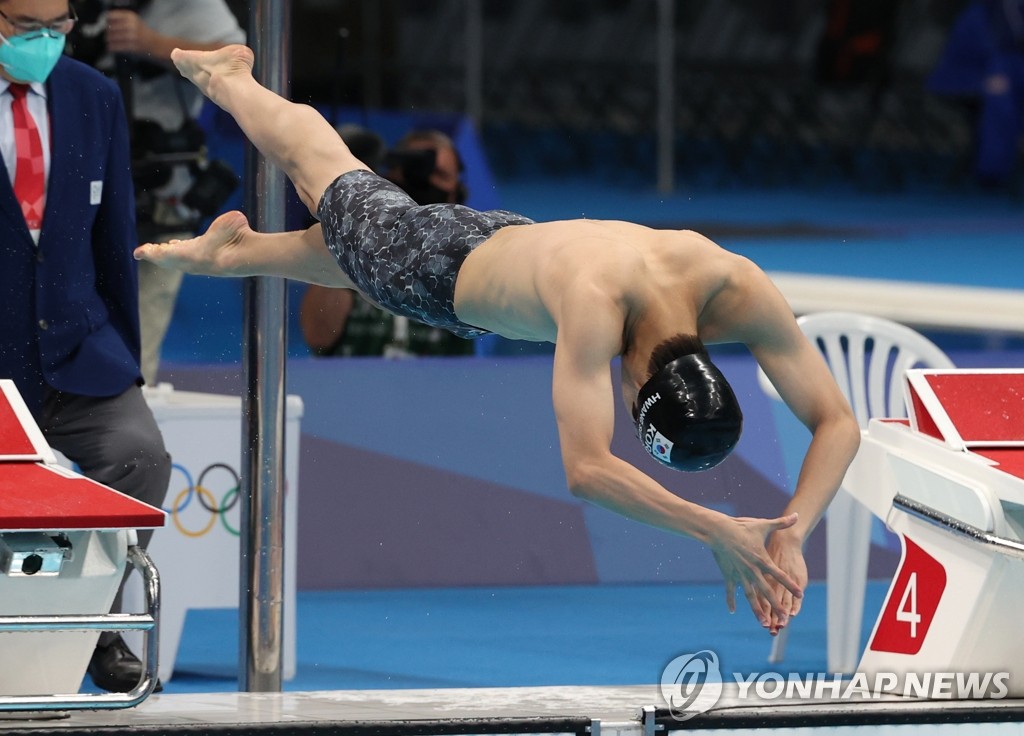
(661,448)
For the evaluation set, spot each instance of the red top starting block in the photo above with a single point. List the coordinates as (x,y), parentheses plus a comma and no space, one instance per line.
(978,411)
(36,493)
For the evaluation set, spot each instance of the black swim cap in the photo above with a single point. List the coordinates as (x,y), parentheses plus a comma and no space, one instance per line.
(687,416)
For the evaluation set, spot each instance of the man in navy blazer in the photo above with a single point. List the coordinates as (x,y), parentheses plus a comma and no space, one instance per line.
(69,335)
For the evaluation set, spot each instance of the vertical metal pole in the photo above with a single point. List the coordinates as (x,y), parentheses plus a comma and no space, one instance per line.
(475,62)
(666,31)
(261,594)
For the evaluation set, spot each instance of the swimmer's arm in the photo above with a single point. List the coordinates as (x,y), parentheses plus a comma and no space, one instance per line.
(589,335)
(230,247)
(798,371)
(803,380)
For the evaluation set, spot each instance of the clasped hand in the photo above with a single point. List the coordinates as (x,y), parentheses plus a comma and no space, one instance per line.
(771,581)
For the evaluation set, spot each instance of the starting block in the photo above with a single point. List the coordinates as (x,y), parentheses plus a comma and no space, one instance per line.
(65,542)
(950,482)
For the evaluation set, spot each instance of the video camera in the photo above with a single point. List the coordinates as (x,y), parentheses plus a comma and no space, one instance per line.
(156,153)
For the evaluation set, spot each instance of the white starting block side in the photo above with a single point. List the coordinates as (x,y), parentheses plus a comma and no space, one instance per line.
(198,551)
(950,482)
(55,662)
(65,541)
(953,606)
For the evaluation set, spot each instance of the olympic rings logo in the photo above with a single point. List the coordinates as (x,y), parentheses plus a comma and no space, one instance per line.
(204,497)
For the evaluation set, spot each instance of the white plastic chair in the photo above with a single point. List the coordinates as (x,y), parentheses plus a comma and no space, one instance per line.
(868,357)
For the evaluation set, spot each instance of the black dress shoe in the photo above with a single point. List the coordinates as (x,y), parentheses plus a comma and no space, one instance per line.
(115,669)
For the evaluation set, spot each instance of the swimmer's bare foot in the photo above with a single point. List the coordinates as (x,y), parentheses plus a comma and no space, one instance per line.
(210,70)
(220,251)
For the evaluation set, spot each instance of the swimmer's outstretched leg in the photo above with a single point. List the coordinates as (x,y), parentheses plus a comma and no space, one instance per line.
(229,247)
(294,137)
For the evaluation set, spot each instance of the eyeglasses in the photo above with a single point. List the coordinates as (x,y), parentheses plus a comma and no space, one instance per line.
(62,26)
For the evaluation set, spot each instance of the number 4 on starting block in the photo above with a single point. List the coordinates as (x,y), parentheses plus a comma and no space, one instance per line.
(911,603)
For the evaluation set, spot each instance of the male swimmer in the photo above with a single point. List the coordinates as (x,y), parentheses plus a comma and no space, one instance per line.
(596,289)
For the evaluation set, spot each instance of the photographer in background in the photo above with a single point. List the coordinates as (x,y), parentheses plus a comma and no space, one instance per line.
(339,322)
(176,187)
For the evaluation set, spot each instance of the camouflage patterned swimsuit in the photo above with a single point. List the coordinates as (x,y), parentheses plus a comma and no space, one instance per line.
(404,256)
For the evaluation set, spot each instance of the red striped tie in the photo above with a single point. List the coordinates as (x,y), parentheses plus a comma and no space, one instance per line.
(30,176)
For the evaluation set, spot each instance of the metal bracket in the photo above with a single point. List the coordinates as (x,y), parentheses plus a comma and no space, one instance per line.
(148,623)
(1008,547)
(648,719)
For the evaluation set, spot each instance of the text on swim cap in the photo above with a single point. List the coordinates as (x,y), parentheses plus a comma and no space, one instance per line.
(649,434)
(651,401)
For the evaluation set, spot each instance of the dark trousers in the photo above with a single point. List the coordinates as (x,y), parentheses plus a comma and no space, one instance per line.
(114,440)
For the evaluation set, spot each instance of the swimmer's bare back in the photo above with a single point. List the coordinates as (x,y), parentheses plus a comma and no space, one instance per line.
(514,283)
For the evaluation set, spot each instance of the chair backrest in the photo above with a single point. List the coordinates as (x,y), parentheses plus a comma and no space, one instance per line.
(868,357)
